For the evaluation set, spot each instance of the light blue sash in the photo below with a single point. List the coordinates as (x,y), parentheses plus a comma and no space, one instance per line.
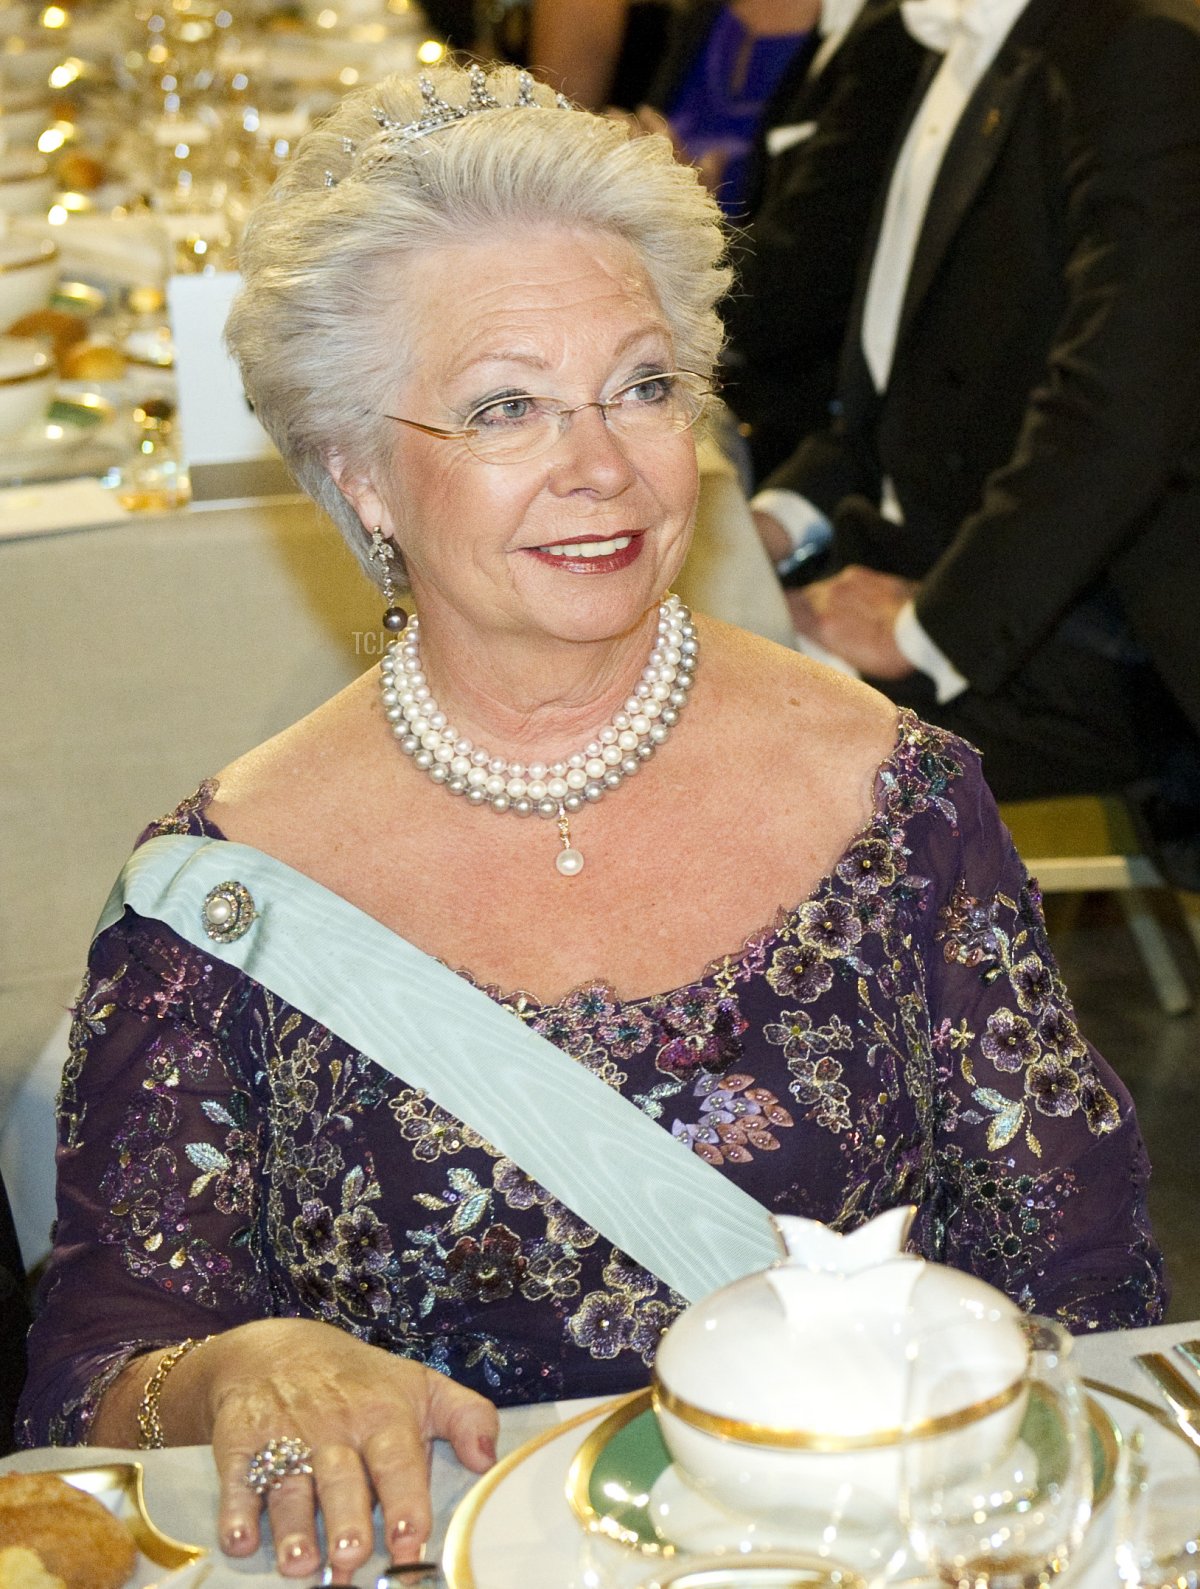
(586,1144)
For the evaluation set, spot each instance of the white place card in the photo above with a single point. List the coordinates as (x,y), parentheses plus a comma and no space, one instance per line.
(215,422)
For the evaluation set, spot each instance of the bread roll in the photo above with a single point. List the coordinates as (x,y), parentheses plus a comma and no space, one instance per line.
(75,1536)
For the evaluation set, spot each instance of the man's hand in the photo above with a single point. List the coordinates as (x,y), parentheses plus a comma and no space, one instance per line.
(853,614)
(772,534)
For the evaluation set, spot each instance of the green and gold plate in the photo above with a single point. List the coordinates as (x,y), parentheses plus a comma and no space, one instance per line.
(610,1481)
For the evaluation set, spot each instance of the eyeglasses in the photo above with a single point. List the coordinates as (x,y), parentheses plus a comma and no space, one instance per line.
(519,427)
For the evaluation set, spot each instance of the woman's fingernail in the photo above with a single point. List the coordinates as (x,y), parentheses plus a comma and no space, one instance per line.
(401,1531)
(235,1536)
(291,1551)
(488,1446)
(346,1542)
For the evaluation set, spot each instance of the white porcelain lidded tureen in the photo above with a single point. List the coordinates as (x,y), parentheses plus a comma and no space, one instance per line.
(784,1389)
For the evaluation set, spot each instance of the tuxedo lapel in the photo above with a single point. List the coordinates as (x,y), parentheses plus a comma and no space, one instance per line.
(974,149)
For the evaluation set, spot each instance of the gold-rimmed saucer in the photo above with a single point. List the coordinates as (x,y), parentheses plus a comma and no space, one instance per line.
(457,1551)
(610,1481)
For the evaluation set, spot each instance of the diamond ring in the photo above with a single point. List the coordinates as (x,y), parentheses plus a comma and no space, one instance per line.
(278,1460)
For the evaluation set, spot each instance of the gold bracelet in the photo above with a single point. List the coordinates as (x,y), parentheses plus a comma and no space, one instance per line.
(149,1422)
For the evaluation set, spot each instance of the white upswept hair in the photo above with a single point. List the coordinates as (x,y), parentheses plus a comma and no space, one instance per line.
(314,326)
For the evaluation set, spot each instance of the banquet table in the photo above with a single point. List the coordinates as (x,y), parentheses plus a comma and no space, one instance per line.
(520,1533)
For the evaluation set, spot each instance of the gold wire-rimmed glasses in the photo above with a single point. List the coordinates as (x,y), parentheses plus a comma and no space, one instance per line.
(520,425)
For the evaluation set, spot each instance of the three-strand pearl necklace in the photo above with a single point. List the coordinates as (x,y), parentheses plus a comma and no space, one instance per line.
(559,789)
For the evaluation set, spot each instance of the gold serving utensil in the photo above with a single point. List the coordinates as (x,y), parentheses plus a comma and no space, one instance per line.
(1190,1352)
(1182,1398)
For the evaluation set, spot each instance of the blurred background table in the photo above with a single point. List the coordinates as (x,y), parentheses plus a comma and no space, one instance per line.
(144,655)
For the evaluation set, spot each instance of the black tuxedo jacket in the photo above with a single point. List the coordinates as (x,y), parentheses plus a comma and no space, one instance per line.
(811,206)
(1042,421)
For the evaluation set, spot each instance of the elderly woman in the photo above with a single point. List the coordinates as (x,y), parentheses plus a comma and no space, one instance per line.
(436,1052)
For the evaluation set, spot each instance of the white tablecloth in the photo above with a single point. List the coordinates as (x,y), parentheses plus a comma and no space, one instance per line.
(532,1538)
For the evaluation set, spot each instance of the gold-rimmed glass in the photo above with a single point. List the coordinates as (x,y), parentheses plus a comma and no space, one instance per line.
(1007,1505)
(1157,1521)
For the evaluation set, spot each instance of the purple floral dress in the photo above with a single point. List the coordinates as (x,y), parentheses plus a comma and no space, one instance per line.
(902,1035)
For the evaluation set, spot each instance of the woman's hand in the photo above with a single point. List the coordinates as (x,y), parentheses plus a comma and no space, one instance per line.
(369,1418)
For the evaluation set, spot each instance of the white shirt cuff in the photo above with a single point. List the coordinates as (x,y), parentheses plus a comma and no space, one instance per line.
(920,650)
(815,650)
(805,526)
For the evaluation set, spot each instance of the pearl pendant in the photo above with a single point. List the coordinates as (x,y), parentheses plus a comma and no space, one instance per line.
(569,862)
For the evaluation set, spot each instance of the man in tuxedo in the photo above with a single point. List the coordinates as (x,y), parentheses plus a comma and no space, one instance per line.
(820,158)
(1009,499)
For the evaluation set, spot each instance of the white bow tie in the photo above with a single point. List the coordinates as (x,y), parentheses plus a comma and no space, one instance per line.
(938,23)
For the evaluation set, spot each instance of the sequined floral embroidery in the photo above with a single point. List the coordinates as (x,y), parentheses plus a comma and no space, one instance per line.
(817,1074)
(623,1317)
(735,1118)
(91,1010)
(1038,1040)
(431,1130)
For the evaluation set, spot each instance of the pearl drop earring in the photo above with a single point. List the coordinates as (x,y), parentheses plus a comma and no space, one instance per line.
(382,552)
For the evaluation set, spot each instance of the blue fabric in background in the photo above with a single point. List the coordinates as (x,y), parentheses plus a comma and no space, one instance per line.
(722,98)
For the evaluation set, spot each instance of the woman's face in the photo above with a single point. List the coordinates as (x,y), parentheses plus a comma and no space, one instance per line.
(555,313)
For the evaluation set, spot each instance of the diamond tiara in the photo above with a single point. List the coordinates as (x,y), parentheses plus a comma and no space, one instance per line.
(437,113)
